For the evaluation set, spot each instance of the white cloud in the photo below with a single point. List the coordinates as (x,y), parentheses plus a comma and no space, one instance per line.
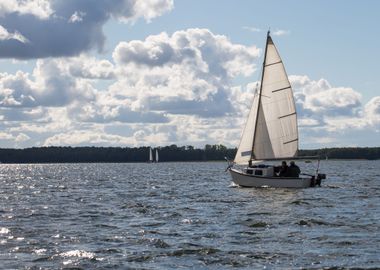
(188,72)
(87,137)
(372,111)
(148,9)
(332,113)
(5,35)
(280,32)
(337,100)
(90,68)
(69,28)
(77,17)
(5,136)
(252,29)
(165,89)
(51,85)
(320,97)
(306,122)
(22,137)
(39,8)
(213,53)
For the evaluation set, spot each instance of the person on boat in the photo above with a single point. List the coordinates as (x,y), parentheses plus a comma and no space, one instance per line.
(283,169)
(294,170)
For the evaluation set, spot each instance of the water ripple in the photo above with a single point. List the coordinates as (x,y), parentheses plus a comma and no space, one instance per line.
(185,215)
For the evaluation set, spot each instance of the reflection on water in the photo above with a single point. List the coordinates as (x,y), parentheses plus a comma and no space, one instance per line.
(185,215)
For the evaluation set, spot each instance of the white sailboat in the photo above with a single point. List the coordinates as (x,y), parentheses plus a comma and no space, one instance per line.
(150,155)
(271,131)
(156,155)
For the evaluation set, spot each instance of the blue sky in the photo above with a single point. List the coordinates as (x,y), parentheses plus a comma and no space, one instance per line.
(160,72)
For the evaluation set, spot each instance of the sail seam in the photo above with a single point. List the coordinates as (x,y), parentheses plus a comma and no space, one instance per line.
(291,141)
(281,89)
(290,114)
(273,63)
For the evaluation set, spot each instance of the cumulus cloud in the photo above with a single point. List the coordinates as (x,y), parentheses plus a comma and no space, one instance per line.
(188,72)
(163,88)
(176,88)
(90,68)
(147,9)
(51,85)
(372,111)
(87,137)
(5,136)
(111,112)
(319,97)
(66,27)
(326,113)
(22,137)
(38,8)
(213,53)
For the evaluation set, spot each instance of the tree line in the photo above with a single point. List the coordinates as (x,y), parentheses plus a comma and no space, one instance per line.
(173,152)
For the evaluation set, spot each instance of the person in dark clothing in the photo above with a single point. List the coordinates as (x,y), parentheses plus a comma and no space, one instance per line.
(283,170)
(294,170)
(250,163)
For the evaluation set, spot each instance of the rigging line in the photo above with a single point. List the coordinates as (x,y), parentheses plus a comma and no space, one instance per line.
(267,65)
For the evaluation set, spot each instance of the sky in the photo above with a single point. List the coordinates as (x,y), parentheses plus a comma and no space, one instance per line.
(160,72)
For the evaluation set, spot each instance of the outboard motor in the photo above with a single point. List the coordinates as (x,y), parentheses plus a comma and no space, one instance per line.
(320,177)
(317,181)
(312,183)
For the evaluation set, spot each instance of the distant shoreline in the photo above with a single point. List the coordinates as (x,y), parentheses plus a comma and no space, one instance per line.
(172,153)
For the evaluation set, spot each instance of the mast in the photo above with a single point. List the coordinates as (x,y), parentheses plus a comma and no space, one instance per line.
(258,105)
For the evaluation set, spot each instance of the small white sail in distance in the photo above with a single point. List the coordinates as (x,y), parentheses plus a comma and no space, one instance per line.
(150,154)
(156,155)
(271,131)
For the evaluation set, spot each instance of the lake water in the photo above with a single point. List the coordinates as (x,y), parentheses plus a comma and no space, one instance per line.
(185,215)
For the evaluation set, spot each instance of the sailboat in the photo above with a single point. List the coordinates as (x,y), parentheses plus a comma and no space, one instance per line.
(271,131)
(150,155)
(156,155)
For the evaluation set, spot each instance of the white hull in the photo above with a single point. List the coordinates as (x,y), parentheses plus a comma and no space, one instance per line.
(248,180)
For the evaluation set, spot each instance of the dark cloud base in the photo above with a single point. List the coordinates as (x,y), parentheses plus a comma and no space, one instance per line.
(59,35)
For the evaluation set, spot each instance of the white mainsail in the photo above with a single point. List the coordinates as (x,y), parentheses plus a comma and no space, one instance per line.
(156,155)
(271,131)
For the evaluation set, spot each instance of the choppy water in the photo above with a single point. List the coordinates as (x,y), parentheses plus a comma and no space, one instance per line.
(185,215)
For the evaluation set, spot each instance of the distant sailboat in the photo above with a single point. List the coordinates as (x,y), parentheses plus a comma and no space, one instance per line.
(156,155)
(150,154)
(271,131)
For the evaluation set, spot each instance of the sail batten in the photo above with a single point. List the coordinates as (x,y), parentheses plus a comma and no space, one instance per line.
(281,89)
(290,114)
(291,141)
(267,65)
(271,131)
